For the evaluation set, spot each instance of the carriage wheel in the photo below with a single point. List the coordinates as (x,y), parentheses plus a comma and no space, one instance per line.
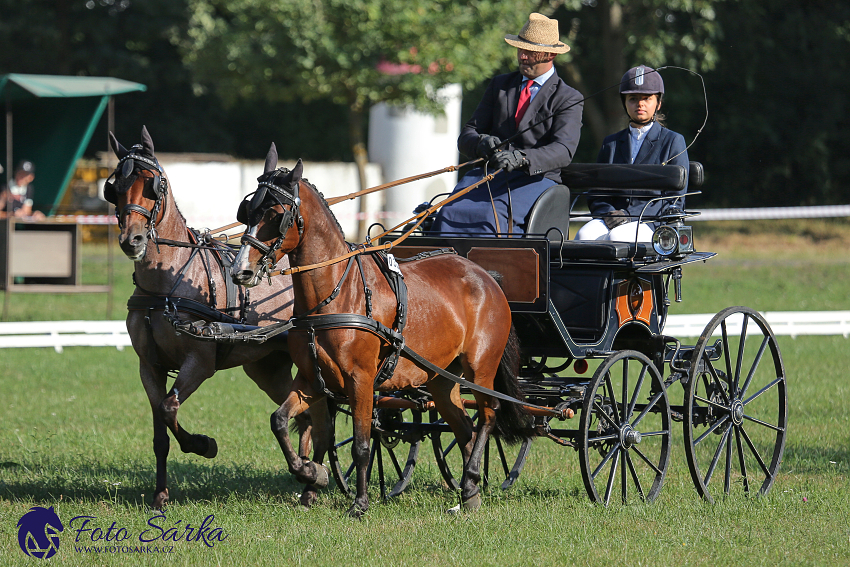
(735,405)
(625,430)
(500,461)
(394,448)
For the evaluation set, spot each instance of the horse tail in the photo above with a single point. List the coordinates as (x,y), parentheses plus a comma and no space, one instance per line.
(513,424)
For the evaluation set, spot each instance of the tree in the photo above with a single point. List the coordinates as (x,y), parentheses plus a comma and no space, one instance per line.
(351,52)
(607,37)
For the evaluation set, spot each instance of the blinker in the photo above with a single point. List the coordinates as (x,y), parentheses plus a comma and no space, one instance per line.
(127,168)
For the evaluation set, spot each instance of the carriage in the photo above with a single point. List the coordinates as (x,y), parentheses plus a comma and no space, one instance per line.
(577,301)
(573,306)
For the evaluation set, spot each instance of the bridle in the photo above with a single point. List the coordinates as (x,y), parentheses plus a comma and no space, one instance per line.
(126,174)
(251,211)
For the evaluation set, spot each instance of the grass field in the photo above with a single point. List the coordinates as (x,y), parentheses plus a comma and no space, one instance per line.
(76,435)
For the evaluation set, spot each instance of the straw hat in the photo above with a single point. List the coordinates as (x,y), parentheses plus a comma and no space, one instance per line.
(538,34)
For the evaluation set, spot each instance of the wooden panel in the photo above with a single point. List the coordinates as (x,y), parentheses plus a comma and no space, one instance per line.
(519,266)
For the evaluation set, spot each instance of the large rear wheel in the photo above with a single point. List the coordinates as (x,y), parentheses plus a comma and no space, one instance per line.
(735,406)
(624,448)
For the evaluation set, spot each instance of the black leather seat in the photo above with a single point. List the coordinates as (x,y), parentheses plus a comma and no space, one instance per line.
(551,209)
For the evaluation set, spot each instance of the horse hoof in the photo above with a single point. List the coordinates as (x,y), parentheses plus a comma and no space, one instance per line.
(160,500)
(308,497)
(322,479)
(454,511)
(355,512)
(212,448)
(472,503)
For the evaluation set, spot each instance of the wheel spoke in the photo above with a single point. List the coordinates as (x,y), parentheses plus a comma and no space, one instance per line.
(654,433)
(741,460)
(716,379)
(502,457)
(610,389)
(611,476)
(394,460)
(637,391)
(625,391)
(716,458)
(765,424)
(449,447)
(755,366)
(647,461)
(755,452)
(725,333)
(763,390)
(624,475)
(710,403)
(343,443)
(717,424)
(648,407)
(727,478)
(604,414)
(605,460)
(610,437)
(741,346)
(635,478)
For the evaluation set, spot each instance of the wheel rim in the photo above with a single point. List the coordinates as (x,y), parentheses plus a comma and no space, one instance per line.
(625,430)
(501,462)
(393,451)
(735,406)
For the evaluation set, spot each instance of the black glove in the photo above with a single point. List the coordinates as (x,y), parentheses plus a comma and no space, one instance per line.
(509,160)
(487,146)
(616,218)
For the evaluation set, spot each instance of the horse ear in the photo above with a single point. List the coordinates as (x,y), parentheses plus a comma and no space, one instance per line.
(147,143)
(119,150)
(297,170)
(271,159)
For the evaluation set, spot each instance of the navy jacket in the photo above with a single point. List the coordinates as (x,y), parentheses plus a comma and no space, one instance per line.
(550,145)
(659,145)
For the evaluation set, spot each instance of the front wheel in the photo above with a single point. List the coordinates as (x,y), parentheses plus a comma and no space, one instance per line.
(625,429)
(735,406)
(394,449)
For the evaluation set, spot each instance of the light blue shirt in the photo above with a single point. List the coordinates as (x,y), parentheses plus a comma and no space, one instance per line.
(538,82)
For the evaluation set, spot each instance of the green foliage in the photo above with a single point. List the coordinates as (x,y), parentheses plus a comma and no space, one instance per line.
(355,53)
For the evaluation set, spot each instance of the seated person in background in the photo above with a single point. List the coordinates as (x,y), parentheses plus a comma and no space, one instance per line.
(535,102)
(17,197)
(645,141)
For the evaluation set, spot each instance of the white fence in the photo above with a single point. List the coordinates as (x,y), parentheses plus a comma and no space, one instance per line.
(59,334)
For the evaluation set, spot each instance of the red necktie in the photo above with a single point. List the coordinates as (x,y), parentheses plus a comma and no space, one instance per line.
(524,100)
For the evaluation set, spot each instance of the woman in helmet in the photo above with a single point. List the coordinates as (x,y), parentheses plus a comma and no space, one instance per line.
(645,141)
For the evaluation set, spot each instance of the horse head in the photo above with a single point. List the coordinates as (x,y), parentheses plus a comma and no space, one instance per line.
(274,221)
(138,185)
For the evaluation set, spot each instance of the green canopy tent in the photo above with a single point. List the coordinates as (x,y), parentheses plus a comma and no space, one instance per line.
(50,120)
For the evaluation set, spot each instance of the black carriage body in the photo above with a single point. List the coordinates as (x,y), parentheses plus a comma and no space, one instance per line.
(572,299)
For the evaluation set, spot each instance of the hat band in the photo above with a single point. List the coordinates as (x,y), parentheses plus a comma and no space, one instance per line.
(541,44)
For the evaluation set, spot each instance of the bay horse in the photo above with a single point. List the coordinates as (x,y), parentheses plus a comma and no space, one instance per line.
(176,267)
(455,317)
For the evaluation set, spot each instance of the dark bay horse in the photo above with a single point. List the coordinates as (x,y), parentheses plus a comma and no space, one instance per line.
(171,270)
(456,317)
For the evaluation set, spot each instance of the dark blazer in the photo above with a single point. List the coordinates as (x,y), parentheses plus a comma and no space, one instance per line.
(659,146)
(550,145)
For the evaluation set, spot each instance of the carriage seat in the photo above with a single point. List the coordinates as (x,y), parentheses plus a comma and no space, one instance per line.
(550,210)
(599,250)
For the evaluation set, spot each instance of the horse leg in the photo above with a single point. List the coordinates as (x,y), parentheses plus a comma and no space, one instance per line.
(154,383)
(273,375)
(361,411)
(322,438)
(470,493)
(449,403)
(298,400)
(189,378)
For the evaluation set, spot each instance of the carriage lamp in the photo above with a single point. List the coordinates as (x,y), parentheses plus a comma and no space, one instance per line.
(673,239)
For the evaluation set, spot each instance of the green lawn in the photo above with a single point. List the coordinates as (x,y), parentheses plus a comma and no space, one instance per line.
(76,435)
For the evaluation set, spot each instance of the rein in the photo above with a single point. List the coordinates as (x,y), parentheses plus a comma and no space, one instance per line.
(363,248)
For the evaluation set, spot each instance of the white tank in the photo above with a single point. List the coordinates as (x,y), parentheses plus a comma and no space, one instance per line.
(406,142)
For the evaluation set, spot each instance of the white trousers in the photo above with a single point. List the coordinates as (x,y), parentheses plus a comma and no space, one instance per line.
(596,229)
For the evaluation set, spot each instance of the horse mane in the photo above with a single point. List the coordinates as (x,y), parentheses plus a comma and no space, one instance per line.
(327,206)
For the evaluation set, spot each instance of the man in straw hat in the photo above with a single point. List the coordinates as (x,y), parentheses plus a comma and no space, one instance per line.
(527,124)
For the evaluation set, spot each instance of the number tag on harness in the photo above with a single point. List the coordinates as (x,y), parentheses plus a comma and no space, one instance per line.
(393,265)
